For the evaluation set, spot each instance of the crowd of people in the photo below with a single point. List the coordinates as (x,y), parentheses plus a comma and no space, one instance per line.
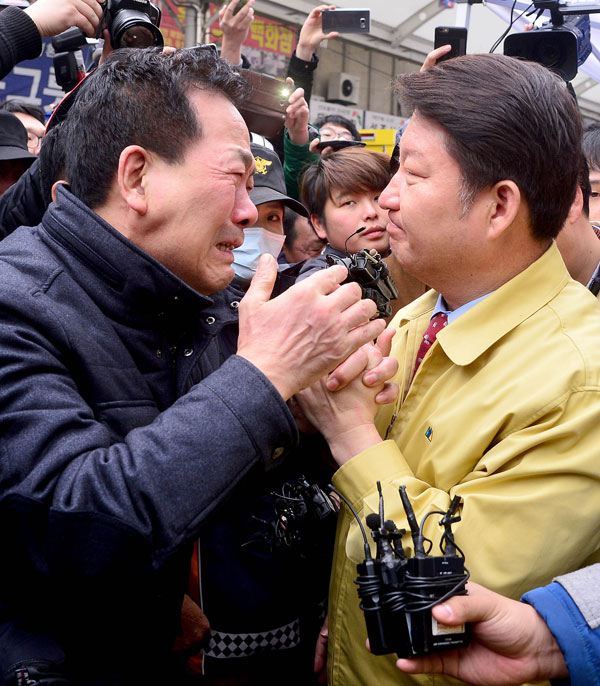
(183,375)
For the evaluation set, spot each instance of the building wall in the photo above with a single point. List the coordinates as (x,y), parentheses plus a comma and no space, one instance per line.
(375,69)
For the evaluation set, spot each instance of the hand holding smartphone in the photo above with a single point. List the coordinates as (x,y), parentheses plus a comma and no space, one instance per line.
(456,36)
(346,21)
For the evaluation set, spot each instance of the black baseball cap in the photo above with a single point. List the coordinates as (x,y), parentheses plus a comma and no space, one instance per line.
(269,183)
(13,138)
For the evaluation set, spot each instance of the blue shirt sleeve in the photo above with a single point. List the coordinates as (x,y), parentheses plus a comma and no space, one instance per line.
(578,642)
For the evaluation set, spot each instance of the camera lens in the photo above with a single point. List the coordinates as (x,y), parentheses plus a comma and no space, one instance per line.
(550,53)
(133,29)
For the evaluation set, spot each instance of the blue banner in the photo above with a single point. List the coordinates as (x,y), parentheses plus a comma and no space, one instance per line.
(33,81)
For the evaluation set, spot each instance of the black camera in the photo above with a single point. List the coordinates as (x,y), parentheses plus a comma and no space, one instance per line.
(133,23)
(306,518)
(563,44)
(371,273)
(397,593)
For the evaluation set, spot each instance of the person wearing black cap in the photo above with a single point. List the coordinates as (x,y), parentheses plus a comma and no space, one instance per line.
(15,158)
(264,614)
(270,197)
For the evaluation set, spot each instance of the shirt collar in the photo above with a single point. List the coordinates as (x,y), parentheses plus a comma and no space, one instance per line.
(595,276)
(498,313)
(442,307)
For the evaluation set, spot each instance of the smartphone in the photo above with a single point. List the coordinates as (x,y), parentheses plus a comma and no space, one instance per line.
(339,144)
(239,6)
(456,36)
(346,21)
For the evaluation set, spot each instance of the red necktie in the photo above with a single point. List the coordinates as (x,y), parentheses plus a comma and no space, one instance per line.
(437,323)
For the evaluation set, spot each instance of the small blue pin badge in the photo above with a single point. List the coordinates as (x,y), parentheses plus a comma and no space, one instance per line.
(429,433)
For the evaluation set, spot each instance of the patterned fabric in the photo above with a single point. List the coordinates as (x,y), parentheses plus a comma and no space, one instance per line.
(437,323)
(226,646)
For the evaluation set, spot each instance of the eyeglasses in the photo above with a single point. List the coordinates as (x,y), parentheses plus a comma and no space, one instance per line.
(330,135)
(33,141)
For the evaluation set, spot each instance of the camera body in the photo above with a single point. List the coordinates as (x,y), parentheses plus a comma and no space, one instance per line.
(371,273)
(133,24)
(564,44)
(562,47)
(306,519)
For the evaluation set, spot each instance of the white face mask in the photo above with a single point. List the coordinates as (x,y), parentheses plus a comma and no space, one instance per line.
(256,242)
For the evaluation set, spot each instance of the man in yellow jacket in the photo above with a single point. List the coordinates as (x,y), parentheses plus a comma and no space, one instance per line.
(502,407)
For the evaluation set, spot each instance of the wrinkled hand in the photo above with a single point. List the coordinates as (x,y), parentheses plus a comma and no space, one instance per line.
(320,667)
(55,16)
(350,369)
(358,362)
(305,332)
(311,33)
(434,56)
(296,116)
(511,643)
(346,417)
(235,29)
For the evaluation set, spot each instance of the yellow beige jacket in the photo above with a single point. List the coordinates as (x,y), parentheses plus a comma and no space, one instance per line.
(505,412)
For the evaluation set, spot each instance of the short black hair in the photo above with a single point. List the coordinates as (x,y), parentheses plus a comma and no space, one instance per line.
(505,118)
(591,145)
(52,160)
(139,97)
(23,107)
(585,185)
(341,121)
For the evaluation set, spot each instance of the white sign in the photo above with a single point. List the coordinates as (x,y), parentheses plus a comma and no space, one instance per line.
(320,108)
(376,120)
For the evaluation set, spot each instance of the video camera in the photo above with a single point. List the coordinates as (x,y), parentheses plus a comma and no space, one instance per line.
(131,24)
(564,44)
(397,593)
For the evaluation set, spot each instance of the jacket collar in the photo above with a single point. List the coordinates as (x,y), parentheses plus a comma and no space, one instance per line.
(333,251)
(120,277)
(487,322)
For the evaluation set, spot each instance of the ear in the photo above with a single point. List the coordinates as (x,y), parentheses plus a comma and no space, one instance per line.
(505,207)
(576,208)
(132,177)
(319,227)
(54,187)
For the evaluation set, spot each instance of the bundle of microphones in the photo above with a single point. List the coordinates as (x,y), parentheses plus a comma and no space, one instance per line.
(371,273)
(397,593)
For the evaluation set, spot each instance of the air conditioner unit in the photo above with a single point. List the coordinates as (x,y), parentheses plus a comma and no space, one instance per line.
(343,88)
